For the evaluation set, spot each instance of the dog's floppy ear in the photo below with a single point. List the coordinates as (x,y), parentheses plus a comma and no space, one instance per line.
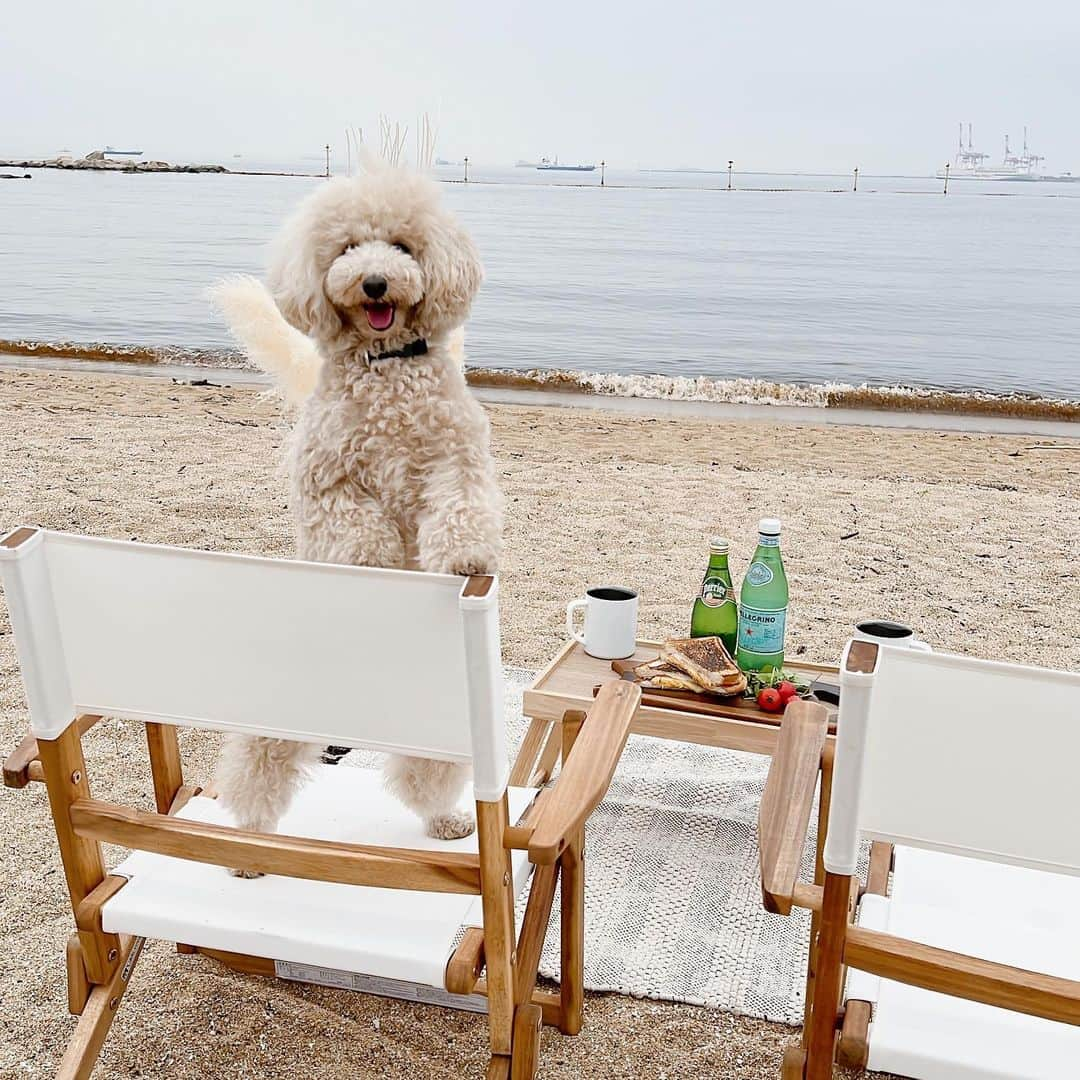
(296,274)
(452,276)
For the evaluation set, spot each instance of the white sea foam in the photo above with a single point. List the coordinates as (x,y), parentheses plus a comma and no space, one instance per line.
(764,392)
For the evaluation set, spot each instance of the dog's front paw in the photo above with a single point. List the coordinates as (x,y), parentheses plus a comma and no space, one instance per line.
(249,874)
(479,558)
(461,542)
(451,826)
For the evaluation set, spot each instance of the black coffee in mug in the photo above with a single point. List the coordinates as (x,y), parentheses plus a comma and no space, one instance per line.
(887,632)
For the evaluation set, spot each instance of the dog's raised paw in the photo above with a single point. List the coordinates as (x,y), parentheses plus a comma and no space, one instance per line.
(249,874)
(451,826)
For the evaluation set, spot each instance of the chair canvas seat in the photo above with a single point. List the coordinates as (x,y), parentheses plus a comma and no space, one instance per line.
(993,911)
(389,933)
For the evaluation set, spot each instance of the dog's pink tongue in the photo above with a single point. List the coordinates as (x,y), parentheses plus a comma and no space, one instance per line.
(379,316)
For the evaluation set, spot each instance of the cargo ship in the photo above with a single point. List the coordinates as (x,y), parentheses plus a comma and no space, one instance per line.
(553,165)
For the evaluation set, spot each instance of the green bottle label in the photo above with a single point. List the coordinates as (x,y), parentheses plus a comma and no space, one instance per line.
(761,631)
(714,593)
(759,574)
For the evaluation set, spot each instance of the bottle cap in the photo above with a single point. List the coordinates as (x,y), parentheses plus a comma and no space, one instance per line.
(720,544)
(769,526)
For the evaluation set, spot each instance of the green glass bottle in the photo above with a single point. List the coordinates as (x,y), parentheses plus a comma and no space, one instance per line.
(715,613)
(763,604)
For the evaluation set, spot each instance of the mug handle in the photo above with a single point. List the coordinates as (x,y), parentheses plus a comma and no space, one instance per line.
(919,646)
(580,602)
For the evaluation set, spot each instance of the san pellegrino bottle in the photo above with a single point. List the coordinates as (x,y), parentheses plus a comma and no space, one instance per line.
(715,613)
(763,604)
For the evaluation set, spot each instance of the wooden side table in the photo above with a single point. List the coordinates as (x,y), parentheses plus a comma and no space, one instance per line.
(567,684)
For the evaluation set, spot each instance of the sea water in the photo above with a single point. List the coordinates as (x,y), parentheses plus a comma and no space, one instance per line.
(789,279)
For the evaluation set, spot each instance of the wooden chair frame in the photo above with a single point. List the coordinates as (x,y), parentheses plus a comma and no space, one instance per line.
(833,1029)
(494,961)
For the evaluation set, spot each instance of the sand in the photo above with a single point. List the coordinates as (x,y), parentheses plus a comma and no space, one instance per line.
(972,539)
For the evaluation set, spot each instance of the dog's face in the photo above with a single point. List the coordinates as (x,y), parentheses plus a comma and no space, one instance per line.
(374,263)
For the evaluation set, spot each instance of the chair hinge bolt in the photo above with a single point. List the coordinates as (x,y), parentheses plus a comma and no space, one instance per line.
(76,776)
(113,1003)
(113,954)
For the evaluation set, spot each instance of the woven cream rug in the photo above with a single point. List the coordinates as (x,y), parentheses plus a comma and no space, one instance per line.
(673,898)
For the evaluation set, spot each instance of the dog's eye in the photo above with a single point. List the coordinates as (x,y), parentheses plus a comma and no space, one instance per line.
(403,248)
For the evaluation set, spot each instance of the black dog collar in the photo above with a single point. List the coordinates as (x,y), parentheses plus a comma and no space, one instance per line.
(414,348)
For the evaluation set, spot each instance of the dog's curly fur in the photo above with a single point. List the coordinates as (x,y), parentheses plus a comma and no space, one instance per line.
(389,462)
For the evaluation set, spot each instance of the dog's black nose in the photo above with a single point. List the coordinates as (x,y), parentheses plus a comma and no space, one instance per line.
(375,285)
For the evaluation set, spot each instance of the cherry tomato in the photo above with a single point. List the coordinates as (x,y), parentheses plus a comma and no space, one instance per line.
(769,700)
(787,690)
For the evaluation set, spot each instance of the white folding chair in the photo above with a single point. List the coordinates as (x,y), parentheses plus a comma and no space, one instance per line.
(356,895)
(964,774)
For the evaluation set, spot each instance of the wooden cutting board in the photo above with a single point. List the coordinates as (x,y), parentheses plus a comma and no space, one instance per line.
(731,708)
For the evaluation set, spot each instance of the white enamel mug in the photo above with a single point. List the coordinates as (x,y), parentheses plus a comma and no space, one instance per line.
(894,634)
(610,621)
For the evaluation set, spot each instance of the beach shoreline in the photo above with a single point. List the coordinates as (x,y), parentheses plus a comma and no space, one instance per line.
(846,403)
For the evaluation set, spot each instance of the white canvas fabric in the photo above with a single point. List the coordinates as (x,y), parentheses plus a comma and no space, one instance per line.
(392,660)
(1022,917)
(957,754)
(391,933)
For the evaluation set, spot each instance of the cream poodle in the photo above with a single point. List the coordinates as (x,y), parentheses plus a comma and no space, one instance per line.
(390,463)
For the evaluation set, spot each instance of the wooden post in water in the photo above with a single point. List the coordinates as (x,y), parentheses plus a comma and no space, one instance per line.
(730,166)
(946,191)
(855,184)
(328,161)
(466,164)
(602,173)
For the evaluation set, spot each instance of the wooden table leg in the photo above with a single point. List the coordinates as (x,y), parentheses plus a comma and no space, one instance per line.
(530,750)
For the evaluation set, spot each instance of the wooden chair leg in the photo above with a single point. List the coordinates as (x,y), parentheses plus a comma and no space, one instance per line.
(65,779)
(528,1020)
(853,1046)
(498,1068)
(794,1067)
(496,882)
(97,1017)
(820,1038)
(165,764)
(572,910)
(78,984)
(828,756)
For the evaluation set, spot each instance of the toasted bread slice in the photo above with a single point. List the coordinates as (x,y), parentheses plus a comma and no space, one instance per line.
(660,675)
(704,659)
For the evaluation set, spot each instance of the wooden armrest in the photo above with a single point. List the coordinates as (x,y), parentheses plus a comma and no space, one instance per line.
(788,800)
(17,763)
(586,773)
(22,765)
(963,976)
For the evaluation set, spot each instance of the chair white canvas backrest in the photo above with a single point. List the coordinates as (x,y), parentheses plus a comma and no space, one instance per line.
(971,757)
(389,660)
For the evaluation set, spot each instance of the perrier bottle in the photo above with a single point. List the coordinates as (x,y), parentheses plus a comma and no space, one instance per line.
(763,604)
(714,612)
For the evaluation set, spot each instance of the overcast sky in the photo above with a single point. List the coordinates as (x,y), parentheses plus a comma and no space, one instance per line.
(782,85)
